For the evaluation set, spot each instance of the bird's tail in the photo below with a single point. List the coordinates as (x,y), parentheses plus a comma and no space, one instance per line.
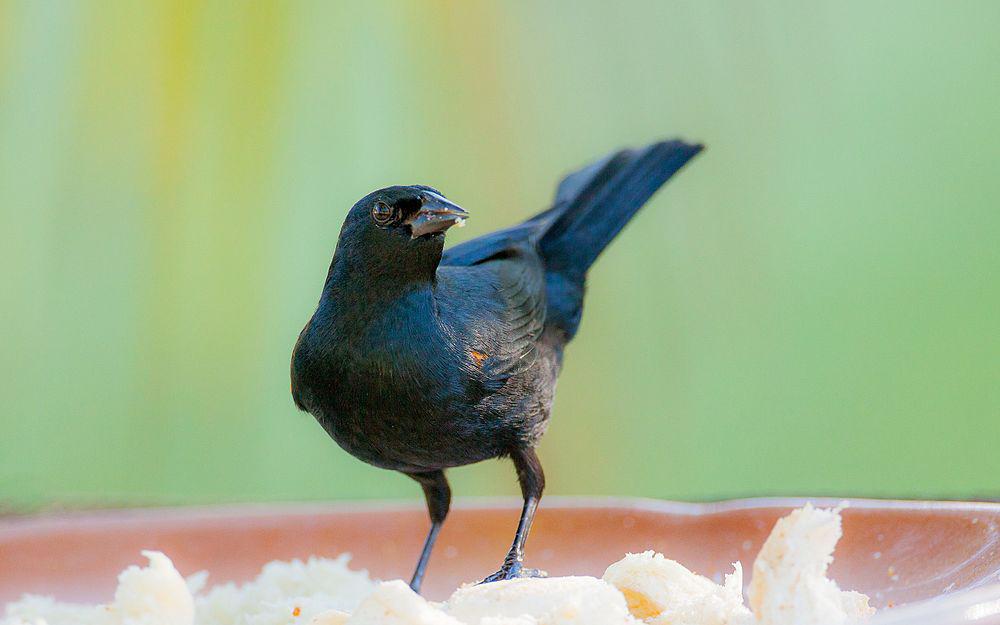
(593,204)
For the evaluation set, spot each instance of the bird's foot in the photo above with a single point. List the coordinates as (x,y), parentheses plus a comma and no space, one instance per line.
(514,570)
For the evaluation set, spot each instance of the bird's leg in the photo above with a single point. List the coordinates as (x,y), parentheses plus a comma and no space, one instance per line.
(532,480)
(438,495)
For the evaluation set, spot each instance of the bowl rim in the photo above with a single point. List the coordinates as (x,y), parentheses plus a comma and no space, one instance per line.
(49,519)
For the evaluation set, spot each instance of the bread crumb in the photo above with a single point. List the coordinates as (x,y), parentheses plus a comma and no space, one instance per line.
(790,586)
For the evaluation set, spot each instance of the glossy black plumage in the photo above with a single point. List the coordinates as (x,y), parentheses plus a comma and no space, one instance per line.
(419,359)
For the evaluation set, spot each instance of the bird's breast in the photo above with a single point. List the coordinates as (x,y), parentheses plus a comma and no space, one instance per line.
(398,391)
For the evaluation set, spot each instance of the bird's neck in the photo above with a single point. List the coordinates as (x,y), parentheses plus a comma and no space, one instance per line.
(358,293)
(368,281)
(381,267)
(365,283)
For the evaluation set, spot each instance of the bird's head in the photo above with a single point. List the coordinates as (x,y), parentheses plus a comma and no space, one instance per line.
(398,231)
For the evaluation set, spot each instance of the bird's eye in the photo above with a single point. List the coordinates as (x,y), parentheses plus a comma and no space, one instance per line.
(382,213)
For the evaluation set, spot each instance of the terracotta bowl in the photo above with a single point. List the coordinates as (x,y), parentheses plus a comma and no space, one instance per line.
(897,552)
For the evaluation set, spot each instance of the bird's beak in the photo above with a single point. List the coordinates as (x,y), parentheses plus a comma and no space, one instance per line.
(436,215)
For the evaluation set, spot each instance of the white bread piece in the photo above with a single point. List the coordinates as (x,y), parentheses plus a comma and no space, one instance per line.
(151,595)
(394,603)
(662,591)
(282,593)
(330,617)
(790,586)
(546,601)
(154,595)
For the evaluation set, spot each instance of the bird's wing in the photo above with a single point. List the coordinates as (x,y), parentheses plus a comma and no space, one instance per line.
(521,289)
(509,271)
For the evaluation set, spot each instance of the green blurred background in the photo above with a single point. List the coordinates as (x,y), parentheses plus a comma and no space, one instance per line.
(812,307)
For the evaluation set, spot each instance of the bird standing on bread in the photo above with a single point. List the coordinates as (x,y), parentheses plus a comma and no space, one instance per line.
(419,359)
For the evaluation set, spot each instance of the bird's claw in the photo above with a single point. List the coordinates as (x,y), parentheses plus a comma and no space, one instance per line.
(514,571)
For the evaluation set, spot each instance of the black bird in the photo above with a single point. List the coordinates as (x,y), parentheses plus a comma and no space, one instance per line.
(419,359)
